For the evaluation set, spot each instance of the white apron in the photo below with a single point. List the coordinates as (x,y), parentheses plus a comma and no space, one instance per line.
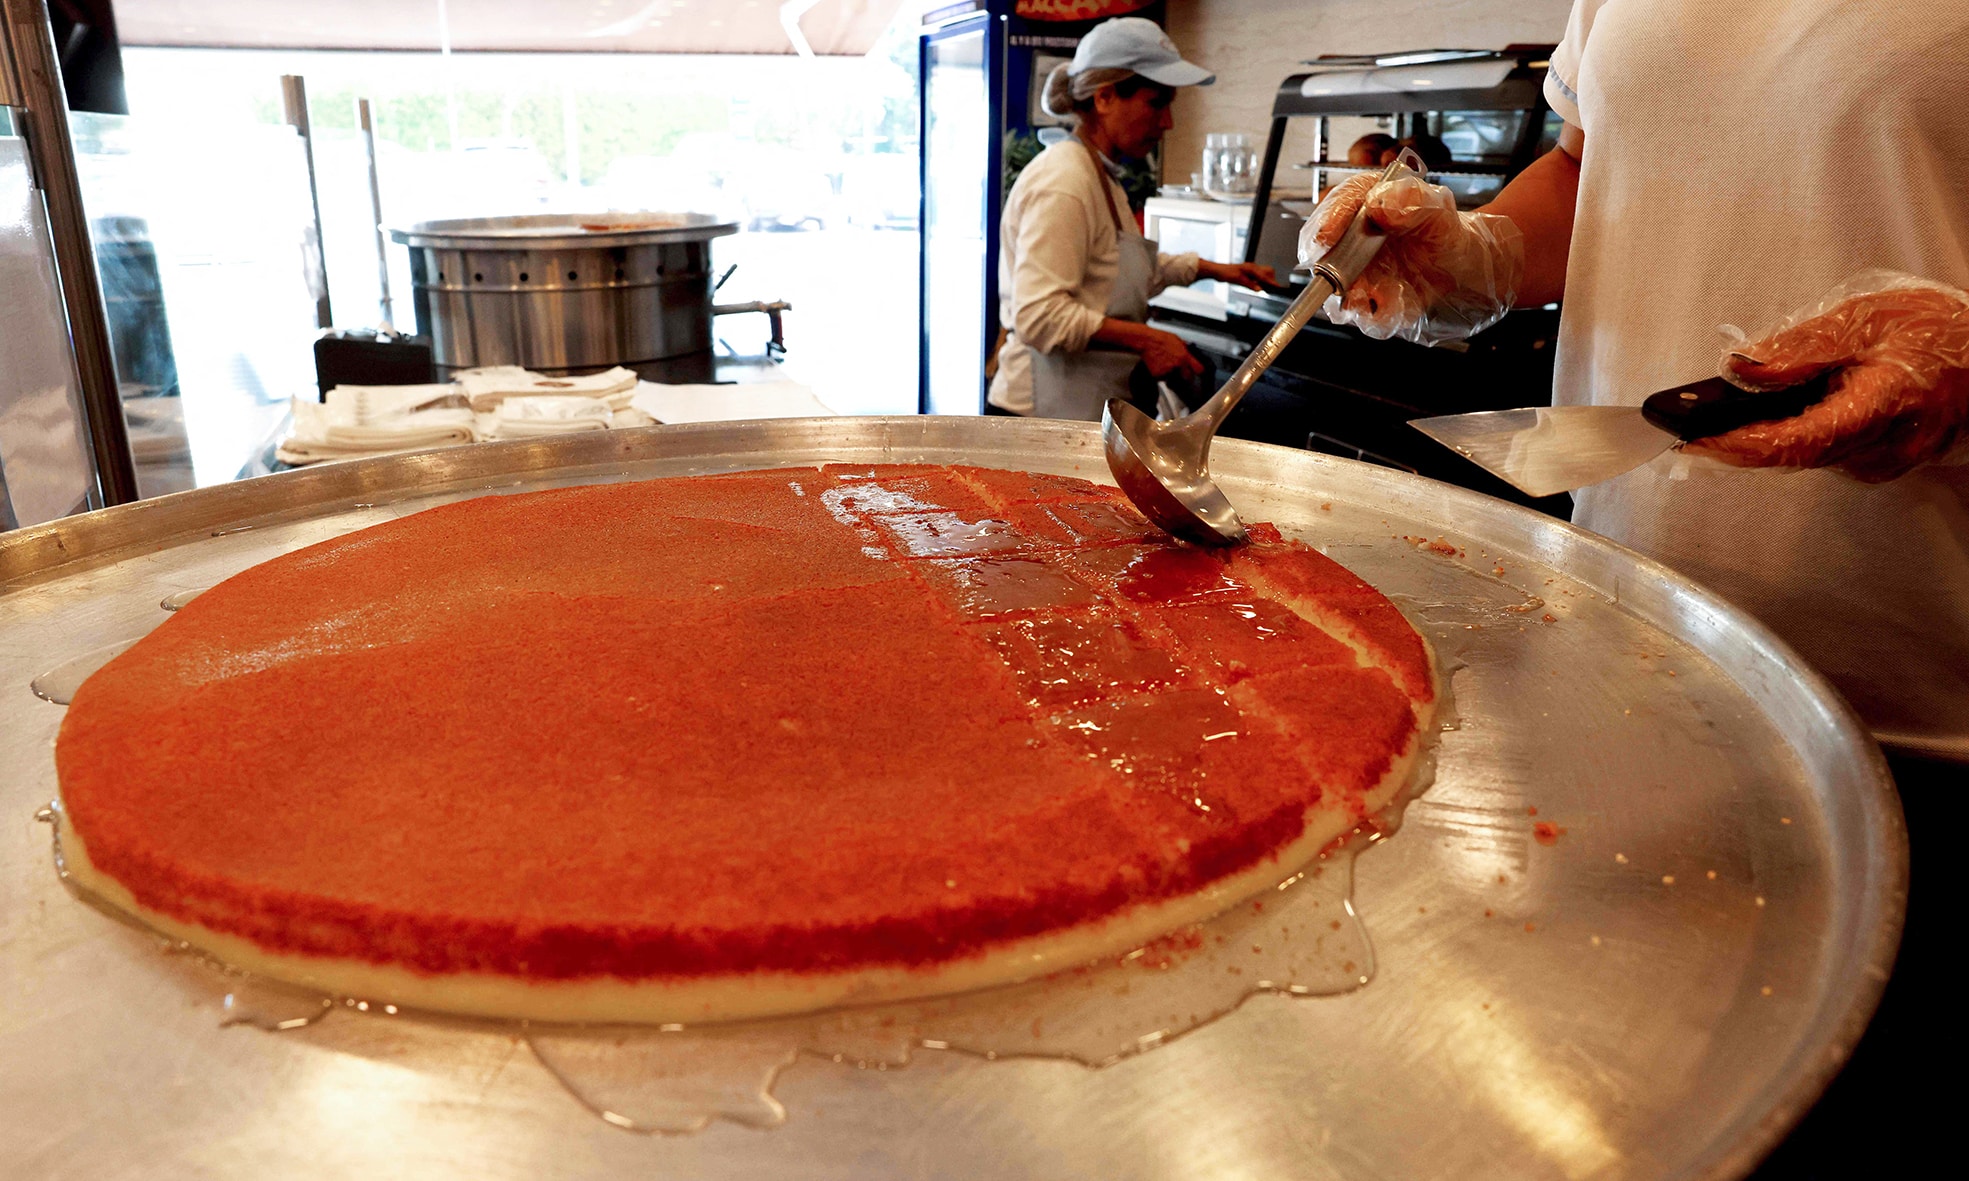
(1078,385)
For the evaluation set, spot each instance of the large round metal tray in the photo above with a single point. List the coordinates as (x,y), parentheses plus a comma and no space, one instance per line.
(1660,993)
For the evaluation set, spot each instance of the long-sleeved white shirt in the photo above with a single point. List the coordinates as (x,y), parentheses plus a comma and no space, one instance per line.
(1058,255)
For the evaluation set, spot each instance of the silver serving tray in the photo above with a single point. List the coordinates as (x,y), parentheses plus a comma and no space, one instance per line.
(1660,993)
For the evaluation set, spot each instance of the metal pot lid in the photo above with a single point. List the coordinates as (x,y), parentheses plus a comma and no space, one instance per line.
(563,231)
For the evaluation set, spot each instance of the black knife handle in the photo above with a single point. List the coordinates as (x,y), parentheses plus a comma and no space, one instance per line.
(1712,406)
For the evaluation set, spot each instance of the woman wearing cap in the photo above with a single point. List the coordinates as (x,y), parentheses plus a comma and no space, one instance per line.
(1074,273)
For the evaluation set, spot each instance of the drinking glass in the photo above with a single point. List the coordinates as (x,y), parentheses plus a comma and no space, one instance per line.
(1230,165)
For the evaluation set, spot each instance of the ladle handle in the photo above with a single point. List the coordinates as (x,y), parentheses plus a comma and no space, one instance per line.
(1211,414)
(1333,273)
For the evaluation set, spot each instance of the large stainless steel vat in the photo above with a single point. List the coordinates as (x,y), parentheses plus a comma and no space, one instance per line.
(563,292)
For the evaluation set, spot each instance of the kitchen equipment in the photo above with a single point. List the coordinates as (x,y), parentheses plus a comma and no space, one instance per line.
(558,293)
(1333,389)
(1487,106)
(1230,166)
(371,356)
(1184,221)
(1550,449)
(1629,1033)
(773,309)
(1164,467)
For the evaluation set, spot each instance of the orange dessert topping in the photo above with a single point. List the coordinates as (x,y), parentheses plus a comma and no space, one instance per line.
(795,720)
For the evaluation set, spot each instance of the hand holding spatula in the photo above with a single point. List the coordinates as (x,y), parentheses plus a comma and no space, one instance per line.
(1896,351)
(1873,380)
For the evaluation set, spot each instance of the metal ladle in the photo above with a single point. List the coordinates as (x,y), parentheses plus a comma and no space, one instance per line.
(1164,467)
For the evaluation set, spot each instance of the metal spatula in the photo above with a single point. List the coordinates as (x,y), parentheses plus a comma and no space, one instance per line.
(1545,450)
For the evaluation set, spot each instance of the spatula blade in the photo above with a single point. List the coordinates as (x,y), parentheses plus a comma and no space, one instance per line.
(1545,450)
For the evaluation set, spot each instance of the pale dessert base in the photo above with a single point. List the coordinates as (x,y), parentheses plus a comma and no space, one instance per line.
(696,999)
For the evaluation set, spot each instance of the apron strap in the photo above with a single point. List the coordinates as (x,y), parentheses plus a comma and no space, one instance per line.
(1107,185)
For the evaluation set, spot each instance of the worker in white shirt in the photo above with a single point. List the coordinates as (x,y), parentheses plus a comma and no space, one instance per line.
(1800,169)
(1075,272)
(1792,176)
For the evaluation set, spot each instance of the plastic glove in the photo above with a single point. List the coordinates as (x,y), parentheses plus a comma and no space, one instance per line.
(1442,274)
(1900,398)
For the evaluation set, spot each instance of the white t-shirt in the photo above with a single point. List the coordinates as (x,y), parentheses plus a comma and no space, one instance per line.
(1057,258)
(1741,160)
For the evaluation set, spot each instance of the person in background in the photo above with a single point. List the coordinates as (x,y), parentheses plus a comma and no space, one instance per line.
(1075,273)
(1432,151)
(1803,173)
(1373,150)
(1378,150)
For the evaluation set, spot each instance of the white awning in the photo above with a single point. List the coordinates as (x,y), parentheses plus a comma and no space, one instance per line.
(830,27)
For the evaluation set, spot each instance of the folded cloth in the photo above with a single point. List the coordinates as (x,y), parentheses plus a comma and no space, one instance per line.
(493,384)
(535,415)
(727,403)
(354,426)
(366,404)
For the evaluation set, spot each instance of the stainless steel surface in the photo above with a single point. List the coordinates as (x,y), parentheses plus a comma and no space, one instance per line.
(1164,467)
(47,463)
(543,292)
(42,119)
(294,98)
(1600,1007)
(1545,450)
(368,129)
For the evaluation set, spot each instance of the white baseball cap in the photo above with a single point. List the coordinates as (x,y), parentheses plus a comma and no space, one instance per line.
(1138,44)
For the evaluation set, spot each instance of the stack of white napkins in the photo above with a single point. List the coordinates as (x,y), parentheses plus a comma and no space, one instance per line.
(507,402)
(488,387)
(359,421)
(557,414)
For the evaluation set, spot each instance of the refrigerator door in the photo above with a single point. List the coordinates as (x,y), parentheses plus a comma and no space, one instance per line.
(957,172)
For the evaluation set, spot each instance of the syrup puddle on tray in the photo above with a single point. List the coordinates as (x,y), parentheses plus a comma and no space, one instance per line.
(177,601)
(59,683)
(1300,938)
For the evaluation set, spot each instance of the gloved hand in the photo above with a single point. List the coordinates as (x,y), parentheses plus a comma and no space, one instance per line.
(1442,274)
(1900,398)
